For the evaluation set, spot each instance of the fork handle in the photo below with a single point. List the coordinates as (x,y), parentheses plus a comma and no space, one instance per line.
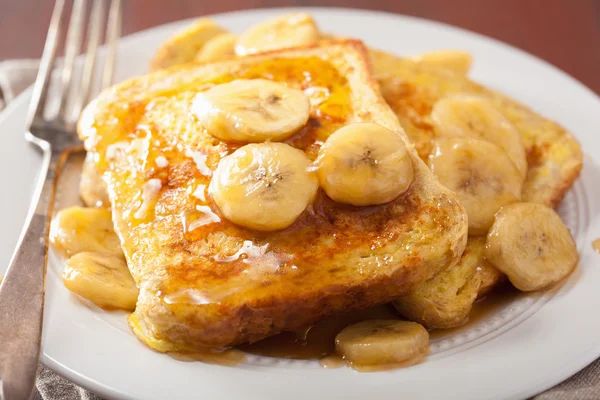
(22,290)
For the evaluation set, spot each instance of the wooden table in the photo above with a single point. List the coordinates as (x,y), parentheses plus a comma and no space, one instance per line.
(564,32)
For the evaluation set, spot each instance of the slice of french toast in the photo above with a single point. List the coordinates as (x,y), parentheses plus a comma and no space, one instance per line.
(411,89)
(445,301)
(554,161)
(220,284)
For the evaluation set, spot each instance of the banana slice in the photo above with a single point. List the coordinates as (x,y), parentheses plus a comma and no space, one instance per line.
(480,173)
(263,186)
(218,47)
(364,164)
(382,342)
(292,30)
(452,60)
(184,45)
(476,117)
(104,279)
(252,110)
(530,244)
(78,229)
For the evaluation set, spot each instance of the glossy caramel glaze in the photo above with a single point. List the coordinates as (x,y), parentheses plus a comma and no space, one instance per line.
(196,287)
(318,341)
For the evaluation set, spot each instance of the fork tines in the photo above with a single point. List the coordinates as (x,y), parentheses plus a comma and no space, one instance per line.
(74,95)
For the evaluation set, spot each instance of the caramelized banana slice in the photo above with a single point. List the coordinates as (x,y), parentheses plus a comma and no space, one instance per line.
(452,60)
(104,279)
(476,117)
(78,229)
(218,47)
(382,342)
(364,164)
(292,30)
(252,110)
(530,244)
(480,173)
(263,186)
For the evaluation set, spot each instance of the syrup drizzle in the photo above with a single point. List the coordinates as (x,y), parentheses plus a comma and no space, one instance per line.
(200,161)
(249,251)
(207,216)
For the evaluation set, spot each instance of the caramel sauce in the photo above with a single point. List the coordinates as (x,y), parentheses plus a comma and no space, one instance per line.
(318,342)
(596,245)
(228,358)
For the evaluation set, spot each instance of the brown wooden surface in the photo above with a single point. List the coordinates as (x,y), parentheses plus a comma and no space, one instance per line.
(563,32)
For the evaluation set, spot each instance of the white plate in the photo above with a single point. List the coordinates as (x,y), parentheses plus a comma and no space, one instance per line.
(522,349)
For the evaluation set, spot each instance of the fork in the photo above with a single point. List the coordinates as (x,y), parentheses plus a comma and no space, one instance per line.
(22,290)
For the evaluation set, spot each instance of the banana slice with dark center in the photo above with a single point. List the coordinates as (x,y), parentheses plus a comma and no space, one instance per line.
(292,30)
(364,164)
(104,279)
(252,110)
(530,243)
(263,186)
(476,117)
(480,173)
(382,342)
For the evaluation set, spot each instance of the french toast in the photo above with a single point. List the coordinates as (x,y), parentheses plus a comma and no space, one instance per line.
(445,300)
(220,284)
(554,161)
(411,86)
(411,89)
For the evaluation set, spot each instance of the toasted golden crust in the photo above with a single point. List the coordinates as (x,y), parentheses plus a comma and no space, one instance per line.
(445,300)
(334,258)
(489,277)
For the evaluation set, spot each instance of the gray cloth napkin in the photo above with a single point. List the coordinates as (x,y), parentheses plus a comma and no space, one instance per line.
(17,75)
